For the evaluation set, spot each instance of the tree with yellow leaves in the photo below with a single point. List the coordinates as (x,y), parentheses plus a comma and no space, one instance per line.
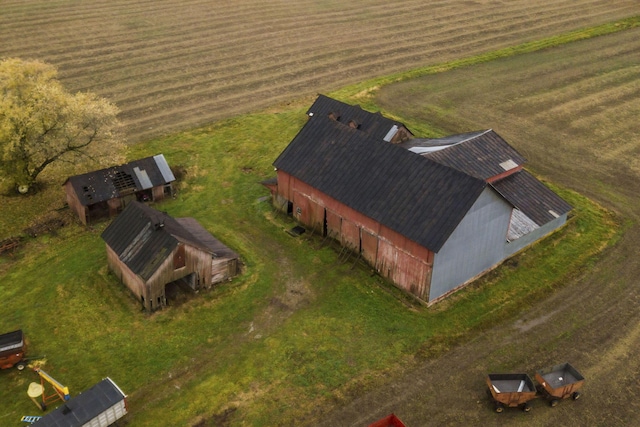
(43,126)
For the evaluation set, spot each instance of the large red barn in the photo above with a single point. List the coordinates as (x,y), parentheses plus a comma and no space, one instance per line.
(430,215)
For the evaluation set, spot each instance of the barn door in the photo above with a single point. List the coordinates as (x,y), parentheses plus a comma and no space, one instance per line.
(369,246)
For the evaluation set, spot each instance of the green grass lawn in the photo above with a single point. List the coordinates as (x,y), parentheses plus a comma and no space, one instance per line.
(296,332)
(233,348)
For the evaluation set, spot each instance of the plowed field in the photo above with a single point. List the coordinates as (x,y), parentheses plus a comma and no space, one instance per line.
(173,64)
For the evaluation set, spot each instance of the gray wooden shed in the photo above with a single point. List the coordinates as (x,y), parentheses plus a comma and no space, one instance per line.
(148,250)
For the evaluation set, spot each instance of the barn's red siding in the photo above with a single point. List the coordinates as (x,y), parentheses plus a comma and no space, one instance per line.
(407,264)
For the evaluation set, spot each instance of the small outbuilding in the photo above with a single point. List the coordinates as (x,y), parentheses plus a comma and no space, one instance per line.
(148,251)
(100,406)
(430,215)
(105,193)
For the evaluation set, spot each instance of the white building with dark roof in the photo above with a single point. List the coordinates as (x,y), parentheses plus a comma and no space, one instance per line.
(100,406)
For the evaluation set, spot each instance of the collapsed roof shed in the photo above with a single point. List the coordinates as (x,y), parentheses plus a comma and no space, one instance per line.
(105,192)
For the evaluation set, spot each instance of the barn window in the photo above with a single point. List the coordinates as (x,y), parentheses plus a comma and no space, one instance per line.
(178,258)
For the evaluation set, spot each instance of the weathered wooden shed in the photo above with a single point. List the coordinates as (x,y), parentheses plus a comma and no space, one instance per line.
(104,193)
(430,215)
(149,250)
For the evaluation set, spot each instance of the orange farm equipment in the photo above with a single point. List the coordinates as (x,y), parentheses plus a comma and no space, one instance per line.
(12,350)
(511,390)
(559,382)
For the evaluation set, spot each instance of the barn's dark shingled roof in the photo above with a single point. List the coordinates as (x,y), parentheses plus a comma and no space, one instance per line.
(421,196)
(84,407)
(144,237)
(413,195)
(532,197)
(104,184)
(374,124)
(479,155)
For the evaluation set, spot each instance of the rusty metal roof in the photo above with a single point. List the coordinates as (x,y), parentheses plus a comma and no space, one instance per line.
(104,184)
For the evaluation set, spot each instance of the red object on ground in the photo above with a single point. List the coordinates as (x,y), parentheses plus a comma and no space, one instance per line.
(388,421)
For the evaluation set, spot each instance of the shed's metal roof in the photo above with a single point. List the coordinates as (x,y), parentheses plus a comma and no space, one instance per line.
(81,409)
(144,237)
(412,195)
(104,184)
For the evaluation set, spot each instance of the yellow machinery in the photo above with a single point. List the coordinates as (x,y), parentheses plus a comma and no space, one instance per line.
(36,390)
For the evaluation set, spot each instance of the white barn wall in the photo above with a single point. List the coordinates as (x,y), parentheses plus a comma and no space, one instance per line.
(475,245)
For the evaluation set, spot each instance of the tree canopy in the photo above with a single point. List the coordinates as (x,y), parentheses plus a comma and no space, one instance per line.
(43,126)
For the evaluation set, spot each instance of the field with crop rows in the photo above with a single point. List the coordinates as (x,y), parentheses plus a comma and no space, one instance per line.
(300,338)
(173,64)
